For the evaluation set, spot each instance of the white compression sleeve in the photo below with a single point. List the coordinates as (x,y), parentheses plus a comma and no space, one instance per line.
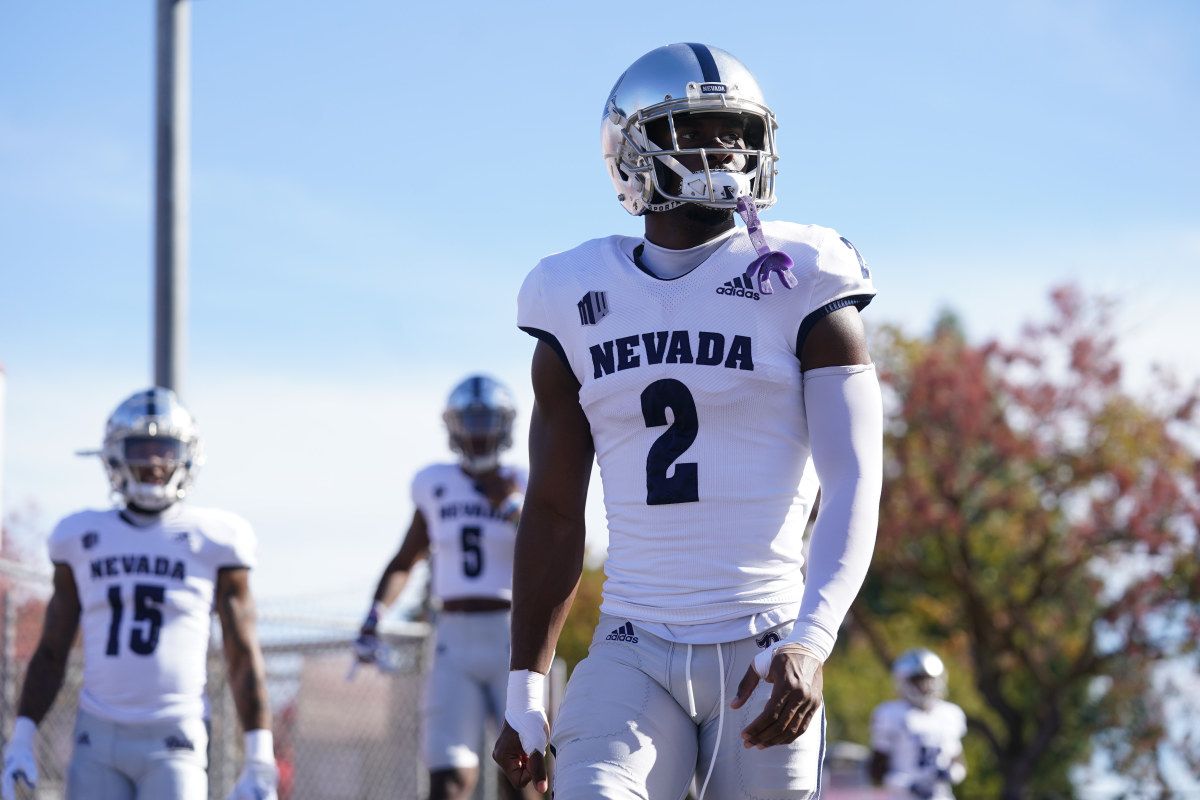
(845,426)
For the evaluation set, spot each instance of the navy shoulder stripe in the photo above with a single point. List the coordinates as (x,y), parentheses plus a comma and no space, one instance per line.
(859,301)
(708,64)
(551,340)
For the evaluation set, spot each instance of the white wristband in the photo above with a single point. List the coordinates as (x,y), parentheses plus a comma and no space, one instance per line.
(24,731)
(525,710)
(526,691)
(260,746)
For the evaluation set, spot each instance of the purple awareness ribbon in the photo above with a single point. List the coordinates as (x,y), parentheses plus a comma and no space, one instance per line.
(768,260)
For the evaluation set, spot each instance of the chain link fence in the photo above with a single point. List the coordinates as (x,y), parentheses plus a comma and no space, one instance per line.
(339,734)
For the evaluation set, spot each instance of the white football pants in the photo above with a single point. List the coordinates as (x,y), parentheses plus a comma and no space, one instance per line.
(152,761)
(644,716)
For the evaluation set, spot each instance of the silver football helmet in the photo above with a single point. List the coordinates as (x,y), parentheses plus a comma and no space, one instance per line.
(920,677)
(686,79)
(479,418)
(152,449)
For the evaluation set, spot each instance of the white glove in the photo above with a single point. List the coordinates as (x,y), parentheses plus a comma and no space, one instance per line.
(20,764)
(259,776)
(525,709)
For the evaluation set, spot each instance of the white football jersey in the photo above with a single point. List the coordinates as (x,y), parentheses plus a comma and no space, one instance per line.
(692,389)
(146,600)
(471,546)
(918,742)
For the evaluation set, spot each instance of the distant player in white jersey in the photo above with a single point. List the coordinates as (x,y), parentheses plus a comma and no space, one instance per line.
(916,741)
(716,373)
(142,581)
(465,523)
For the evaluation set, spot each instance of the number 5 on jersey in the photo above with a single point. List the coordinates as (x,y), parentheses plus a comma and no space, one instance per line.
(472,549)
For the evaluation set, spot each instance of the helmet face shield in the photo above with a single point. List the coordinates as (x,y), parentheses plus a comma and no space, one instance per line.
(153,459)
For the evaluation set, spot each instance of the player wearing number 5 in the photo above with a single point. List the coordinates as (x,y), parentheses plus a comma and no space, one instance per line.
(142,581)
(465,523)
(716,373)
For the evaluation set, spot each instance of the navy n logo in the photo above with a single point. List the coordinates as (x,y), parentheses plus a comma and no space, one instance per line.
(593,308)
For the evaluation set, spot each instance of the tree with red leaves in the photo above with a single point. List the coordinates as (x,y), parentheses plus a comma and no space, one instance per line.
(1039,528)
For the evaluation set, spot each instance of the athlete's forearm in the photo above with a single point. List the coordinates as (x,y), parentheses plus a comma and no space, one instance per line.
(247,681)
(48,666)
(395,574)
(43,680)
(547,564)
(243,658)
(846,424)
(391,583)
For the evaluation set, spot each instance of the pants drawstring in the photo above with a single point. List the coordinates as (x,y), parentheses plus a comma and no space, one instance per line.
(687,679)
(720,715)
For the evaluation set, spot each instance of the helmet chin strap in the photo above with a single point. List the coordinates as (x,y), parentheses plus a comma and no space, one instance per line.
(704,185)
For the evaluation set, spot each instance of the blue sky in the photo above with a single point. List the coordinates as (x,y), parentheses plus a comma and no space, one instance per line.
(371,181)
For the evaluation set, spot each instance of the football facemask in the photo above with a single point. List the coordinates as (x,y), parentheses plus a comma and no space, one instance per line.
(152,450)
(657,89)
(479,417)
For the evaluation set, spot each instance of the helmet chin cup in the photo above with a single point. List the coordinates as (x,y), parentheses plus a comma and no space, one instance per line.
(150,496)
(715,188)
(481,463)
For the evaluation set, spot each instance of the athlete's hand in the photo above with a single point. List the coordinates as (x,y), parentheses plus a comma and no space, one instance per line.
(260,776)
(517,765)
(366,648)
(20,764)
(257,782)
(797,678)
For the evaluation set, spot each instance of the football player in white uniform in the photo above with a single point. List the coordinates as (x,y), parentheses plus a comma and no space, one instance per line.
(465,522)
(917,739)
(142,581)
(716,373)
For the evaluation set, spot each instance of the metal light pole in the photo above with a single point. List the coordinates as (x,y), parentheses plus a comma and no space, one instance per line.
(171,122)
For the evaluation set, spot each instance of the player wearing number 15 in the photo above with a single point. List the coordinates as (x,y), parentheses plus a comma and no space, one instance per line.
(142,581)
(716,373)
(465,523)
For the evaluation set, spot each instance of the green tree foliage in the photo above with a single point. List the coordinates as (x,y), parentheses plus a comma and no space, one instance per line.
(581,622)
(1038,529)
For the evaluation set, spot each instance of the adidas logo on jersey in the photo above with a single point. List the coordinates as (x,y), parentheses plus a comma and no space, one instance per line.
(623,634)
(739,287)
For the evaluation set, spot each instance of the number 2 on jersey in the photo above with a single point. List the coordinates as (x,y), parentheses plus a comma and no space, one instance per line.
(147,608)
(684,485)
